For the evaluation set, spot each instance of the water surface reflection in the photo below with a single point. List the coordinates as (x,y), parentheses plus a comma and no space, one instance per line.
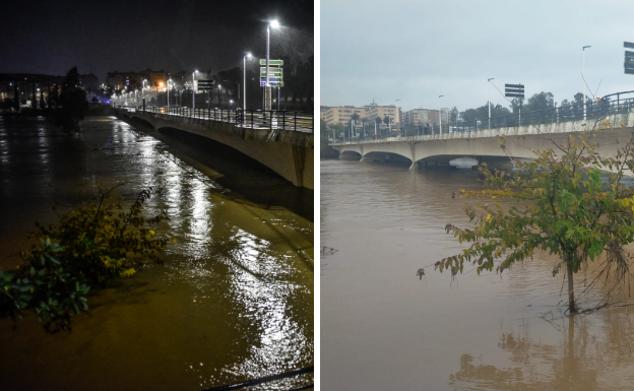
(232,301)
(384,328)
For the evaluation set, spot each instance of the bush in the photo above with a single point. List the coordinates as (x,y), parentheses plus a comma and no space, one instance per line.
(89,248)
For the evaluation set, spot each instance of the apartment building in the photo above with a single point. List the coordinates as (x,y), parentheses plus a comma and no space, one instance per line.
(341,115)
(420,117)
(393,112)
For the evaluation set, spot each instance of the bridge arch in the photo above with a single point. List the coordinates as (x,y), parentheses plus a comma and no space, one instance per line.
(138,121)
(387,157)
(466,161)
(349,154)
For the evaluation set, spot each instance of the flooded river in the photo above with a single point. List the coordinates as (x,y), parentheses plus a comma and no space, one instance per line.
(383,328)
(233,300)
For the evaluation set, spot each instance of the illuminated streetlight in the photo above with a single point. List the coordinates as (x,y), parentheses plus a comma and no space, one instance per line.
(194,90)
(273,24)
(247,56)
(169,87)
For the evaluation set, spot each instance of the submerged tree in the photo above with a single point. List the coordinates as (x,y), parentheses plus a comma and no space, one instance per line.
(91,247)
(73,102)
(566,207)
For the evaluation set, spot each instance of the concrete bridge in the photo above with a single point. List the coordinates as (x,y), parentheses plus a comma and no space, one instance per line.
(610,132)
(288,153)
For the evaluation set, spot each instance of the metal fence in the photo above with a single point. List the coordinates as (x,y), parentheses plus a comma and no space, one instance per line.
(273,120)
(617,103)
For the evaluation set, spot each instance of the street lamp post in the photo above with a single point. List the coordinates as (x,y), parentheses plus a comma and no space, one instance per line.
(440,115)
(194,91)
(143,89)
(246,56)
(267,88)
(169,84)
(490,79)
(583,63)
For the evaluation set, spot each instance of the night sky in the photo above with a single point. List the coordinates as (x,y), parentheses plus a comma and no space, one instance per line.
(52,36)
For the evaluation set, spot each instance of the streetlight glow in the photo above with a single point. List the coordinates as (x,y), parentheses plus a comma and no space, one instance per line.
(247,56)
(273,24)
(194,90)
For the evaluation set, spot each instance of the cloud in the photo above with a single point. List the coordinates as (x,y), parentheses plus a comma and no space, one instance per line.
(416,50)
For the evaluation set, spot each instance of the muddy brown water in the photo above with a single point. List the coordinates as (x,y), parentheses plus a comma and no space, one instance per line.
(233,300)
(383,328)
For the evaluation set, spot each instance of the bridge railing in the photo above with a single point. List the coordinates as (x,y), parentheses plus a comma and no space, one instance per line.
(273,120)
(617,103)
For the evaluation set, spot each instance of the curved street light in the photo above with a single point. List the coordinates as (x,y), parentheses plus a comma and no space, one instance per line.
(583,63)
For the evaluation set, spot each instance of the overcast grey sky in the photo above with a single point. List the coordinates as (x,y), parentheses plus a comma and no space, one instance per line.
(416,50)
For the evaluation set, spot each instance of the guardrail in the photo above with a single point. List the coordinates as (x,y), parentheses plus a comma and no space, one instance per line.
(617,103)
(273,120)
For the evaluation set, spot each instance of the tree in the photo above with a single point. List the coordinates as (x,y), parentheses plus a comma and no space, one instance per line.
(89,248)
(73,102)
(539,108)
(567,209)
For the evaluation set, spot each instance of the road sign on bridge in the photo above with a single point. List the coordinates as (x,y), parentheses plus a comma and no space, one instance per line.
(206,85)
(628,64)
(514,90)
(276,73)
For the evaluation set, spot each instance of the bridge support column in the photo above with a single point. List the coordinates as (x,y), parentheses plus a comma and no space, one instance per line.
(413,166)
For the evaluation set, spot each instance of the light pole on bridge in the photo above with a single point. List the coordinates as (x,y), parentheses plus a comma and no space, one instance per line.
(583,64)
(490,80)
(143,89)
(168,87)
(194,91)
(247,56)
(440,114)
(275,24)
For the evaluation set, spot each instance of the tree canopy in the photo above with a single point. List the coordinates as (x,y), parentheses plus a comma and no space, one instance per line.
(565,206)
(73,101)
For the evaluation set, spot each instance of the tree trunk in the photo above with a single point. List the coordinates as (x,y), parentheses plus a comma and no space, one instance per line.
(571,290)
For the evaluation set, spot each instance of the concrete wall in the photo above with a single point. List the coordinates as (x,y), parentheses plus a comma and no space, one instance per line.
(289,154)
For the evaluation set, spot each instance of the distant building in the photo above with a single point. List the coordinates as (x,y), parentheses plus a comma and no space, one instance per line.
(341,115)
(118,81)
(392,112)
(420,117)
